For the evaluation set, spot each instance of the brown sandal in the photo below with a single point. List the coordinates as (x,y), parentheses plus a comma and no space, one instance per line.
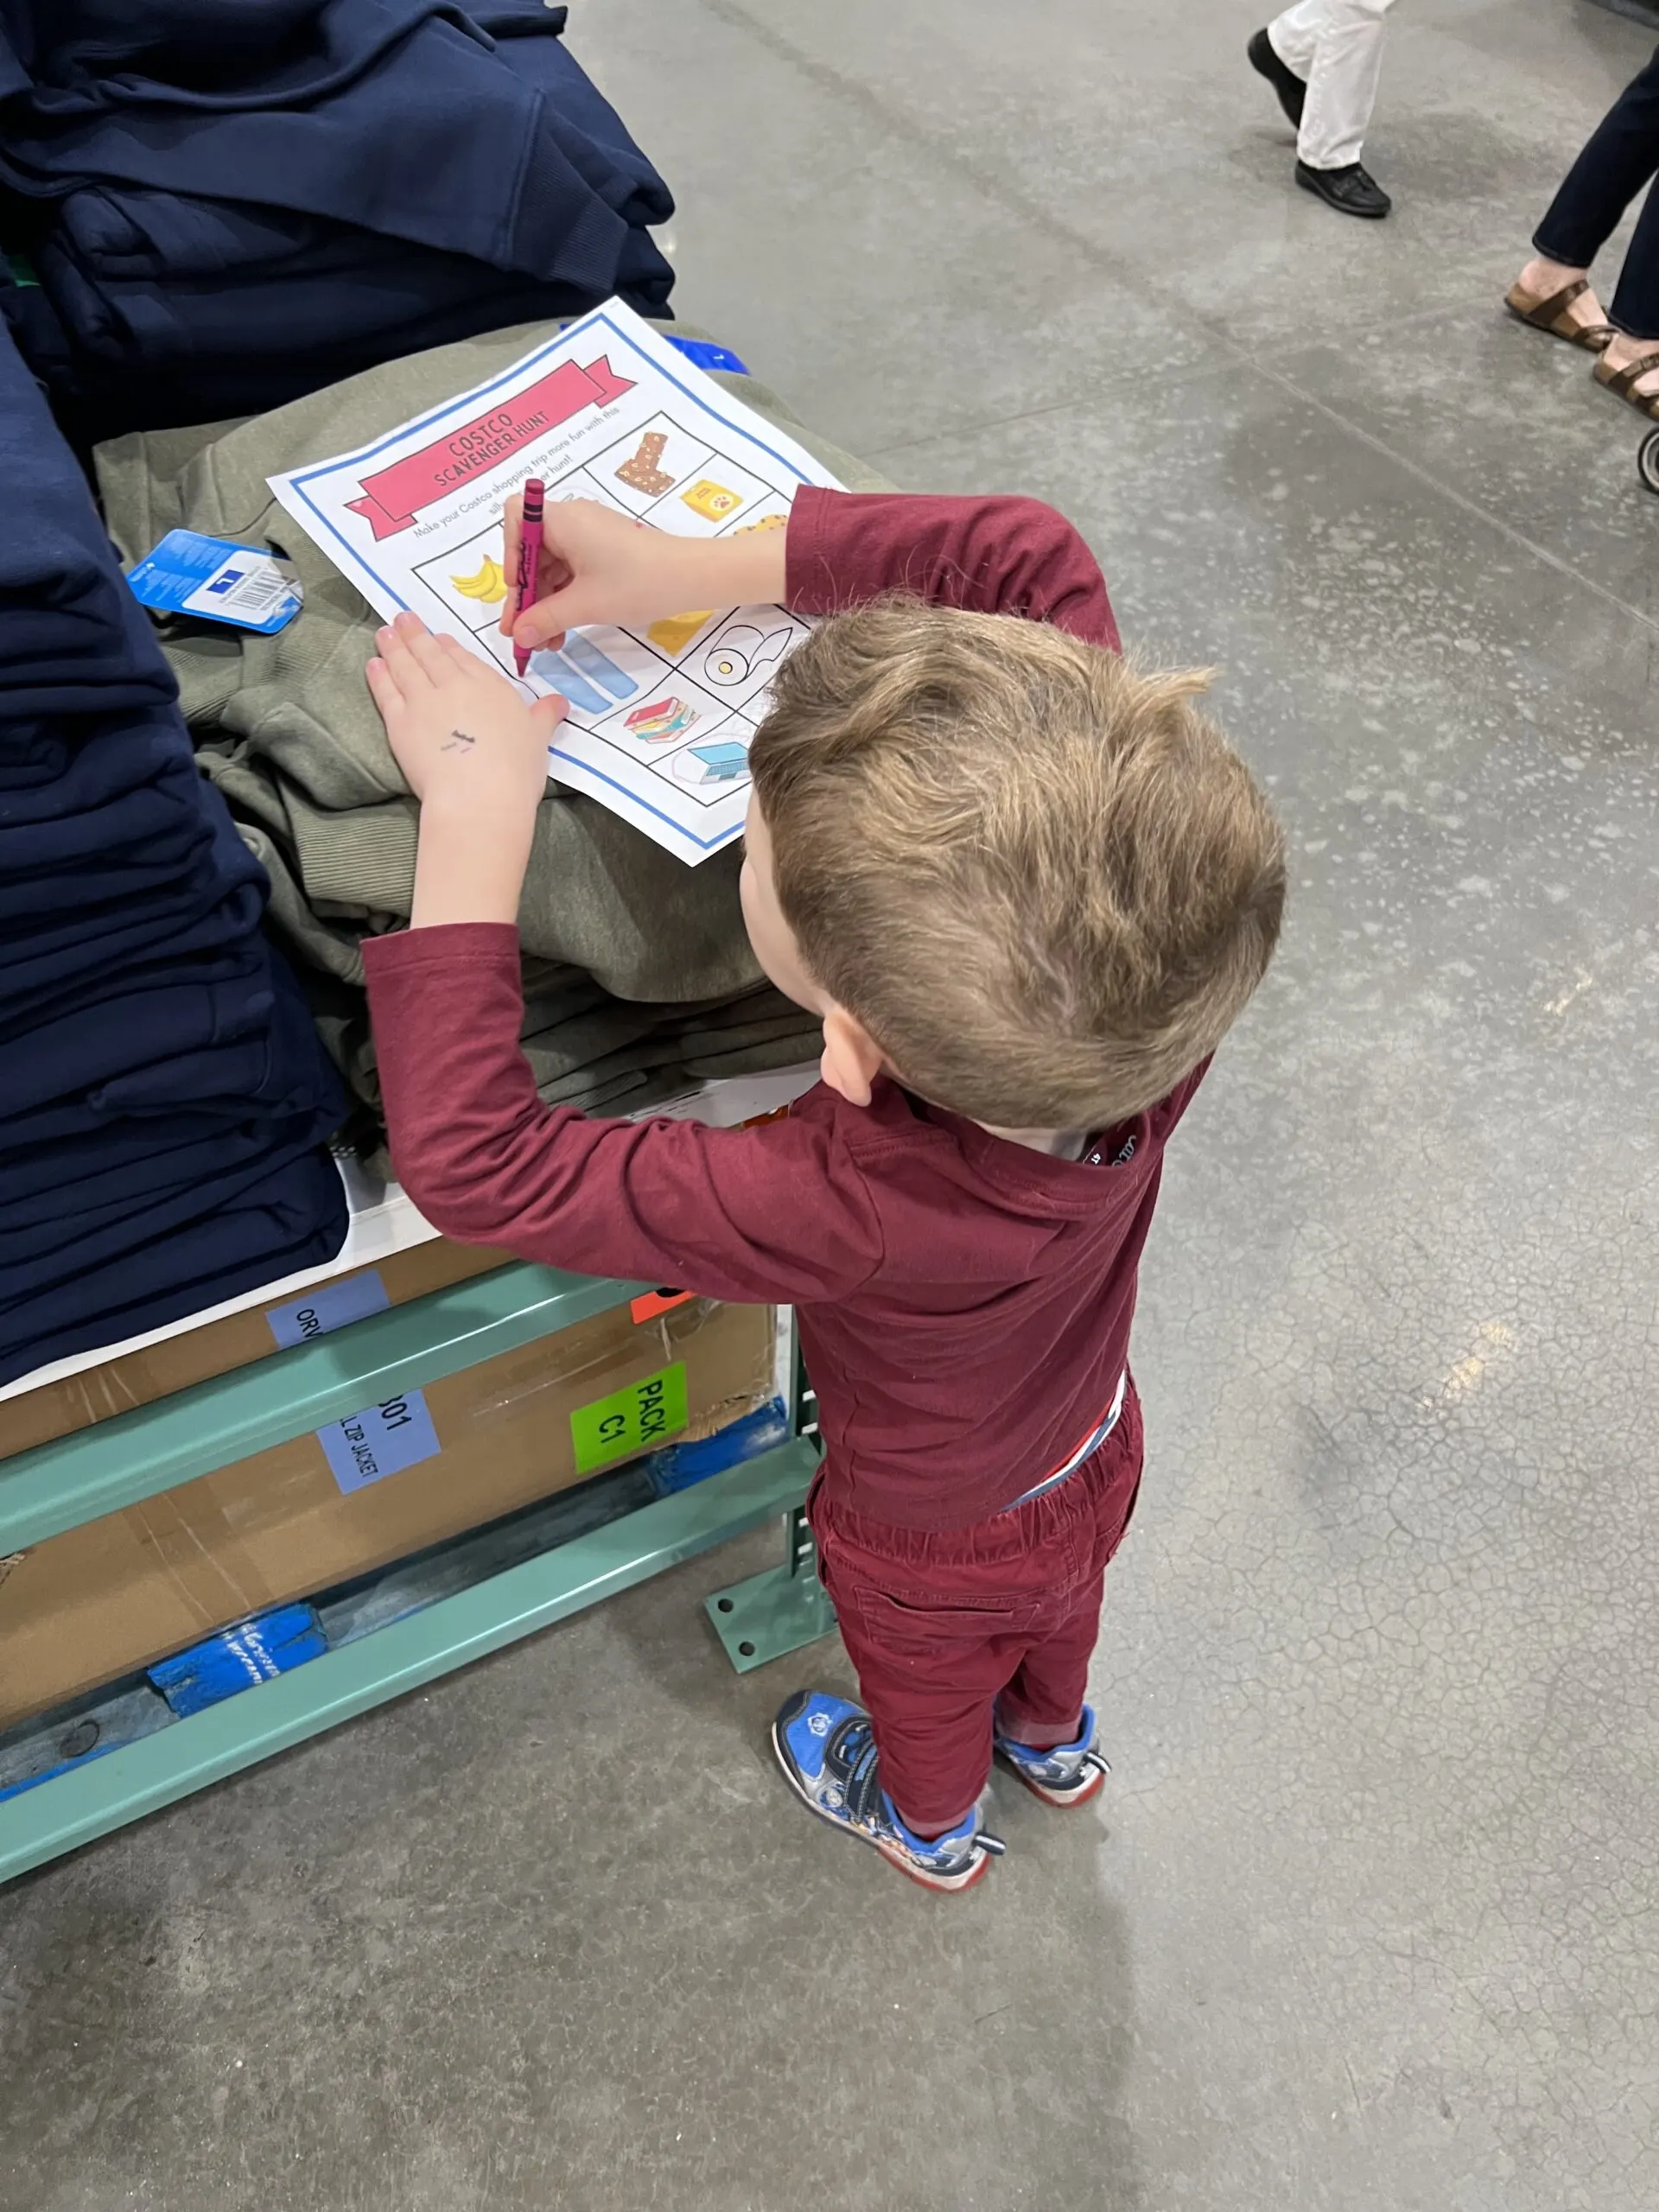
(1551,314)
(1621,382)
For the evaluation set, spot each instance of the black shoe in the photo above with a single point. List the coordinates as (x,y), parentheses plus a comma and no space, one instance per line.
(1291,88)
(1350,191)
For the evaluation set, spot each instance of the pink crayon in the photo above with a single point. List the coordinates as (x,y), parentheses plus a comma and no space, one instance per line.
(530,552)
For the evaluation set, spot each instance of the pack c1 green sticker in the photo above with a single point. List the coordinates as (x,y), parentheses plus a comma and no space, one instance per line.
(645,1414)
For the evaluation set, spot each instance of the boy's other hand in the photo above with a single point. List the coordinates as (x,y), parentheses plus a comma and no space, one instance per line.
(461,733)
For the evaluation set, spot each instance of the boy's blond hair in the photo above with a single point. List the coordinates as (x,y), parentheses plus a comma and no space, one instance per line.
(1039,876)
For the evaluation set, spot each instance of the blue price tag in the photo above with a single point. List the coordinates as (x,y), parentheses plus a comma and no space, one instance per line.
(381,1440)
(330,1305)
(242,585)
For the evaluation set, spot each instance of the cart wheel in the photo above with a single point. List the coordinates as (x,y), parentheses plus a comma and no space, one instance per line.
(1646,460)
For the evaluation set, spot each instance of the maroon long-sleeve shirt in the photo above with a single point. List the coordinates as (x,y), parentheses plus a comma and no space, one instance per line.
(964,1302)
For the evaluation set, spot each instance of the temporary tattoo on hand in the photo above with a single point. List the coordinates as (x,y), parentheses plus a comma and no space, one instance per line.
(458,741)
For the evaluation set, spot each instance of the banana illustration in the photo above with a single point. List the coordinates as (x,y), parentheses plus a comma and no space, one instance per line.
(489,585)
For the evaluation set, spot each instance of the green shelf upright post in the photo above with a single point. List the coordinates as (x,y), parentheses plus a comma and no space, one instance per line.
(782,1608)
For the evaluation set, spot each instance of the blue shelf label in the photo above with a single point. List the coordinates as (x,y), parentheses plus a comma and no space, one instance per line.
(381,1440)
(330,1305)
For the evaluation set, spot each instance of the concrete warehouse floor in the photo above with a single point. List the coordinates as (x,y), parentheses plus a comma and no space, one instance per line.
(1366,1916)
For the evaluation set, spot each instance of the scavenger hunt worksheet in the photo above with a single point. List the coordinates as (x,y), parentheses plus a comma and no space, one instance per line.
(659,719)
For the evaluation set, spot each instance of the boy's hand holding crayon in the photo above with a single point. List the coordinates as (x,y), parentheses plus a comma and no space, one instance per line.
(598,566)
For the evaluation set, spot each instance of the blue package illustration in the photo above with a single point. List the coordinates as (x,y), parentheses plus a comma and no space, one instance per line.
(554,668)
(722,764)
(584,654)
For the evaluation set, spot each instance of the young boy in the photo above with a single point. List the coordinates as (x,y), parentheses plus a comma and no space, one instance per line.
(1028,890)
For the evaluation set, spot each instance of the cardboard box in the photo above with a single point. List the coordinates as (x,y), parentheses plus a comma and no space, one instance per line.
(104,1600)
(193,1355)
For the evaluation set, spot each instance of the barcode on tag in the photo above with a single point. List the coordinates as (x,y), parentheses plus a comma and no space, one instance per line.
(250,595)
(244,588)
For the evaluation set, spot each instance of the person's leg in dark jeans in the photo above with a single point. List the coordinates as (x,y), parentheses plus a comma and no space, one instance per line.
(1635,312)
(1619,161)
(1630,367)
(1616,164)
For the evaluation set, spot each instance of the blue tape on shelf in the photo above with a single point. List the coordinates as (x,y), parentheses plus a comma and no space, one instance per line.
(51,1773)
(250,1651)
(330,1305)
(381,1440)
(679,1465)
(56,1742)
(704,353)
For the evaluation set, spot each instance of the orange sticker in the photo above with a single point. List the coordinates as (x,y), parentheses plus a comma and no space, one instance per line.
(653,1302)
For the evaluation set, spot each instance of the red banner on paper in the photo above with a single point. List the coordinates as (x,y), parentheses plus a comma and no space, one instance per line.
(393,497)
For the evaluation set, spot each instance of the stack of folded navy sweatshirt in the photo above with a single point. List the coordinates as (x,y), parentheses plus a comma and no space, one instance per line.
(164,1102)
(227,206)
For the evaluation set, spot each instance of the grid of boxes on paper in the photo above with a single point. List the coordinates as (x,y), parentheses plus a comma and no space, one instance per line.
(684,696)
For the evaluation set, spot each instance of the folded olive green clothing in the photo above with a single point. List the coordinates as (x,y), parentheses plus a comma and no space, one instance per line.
(312,940)
(299,751)
(606,1055)
(587,1047)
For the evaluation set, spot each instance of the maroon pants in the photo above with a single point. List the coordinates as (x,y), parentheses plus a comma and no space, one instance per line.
(944,1625)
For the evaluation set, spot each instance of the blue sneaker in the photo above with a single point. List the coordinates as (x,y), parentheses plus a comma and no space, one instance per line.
(827,1750)
(1070,1775)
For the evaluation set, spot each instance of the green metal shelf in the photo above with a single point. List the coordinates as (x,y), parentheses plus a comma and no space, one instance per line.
(189,1755)
(136,1455)
(156,1448)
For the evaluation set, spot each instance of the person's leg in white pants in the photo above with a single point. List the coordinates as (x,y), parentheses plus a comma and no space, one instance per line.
(1336,46)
